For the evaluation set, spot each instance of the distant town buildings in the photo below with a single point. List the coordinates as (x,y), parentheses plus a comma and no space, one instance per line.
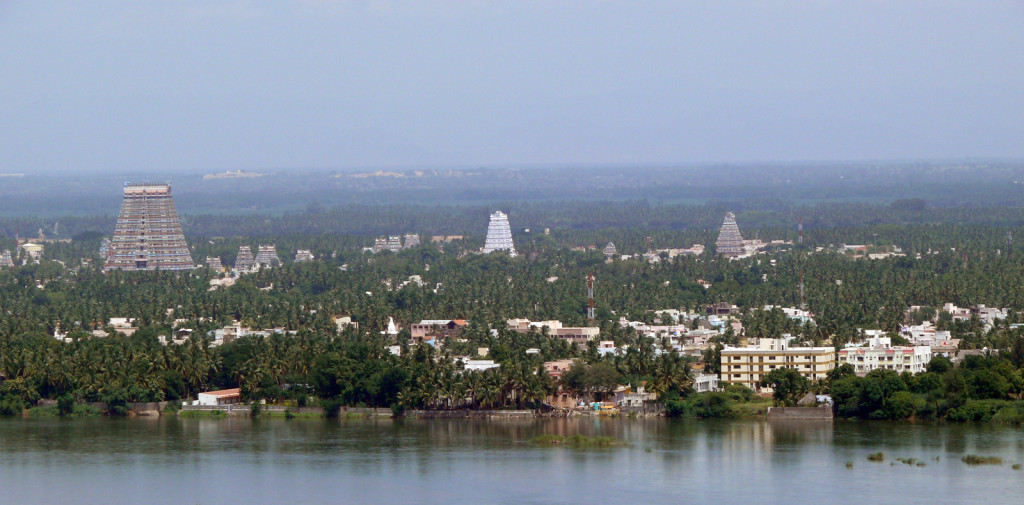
(437,328)
(499,235)
(444,239)
(411,240)
(104,249)
(5,259)
(554,329)
(148,235)
(730,242)
(33,252)
(748,365)
(303,255)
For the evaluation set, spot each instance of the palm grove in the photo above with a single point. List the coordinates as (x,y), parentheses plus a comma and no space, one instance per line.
(546,282)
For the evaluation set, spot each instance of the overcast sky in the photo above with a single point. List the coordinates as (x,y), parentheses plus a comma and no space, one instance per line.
(205,85)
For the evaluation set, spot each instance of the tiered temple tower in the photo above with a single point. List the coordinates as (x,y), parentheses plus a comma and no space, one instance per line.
(499,235)
(411,240)
(148,235)
(730,242)
(266,256)
(394,243)
(214,263)
(610,250)
(244,262)
(303,255)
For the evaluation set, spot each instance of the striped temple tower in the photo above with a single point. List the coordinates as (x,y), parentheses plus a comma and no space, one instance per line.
(730,242)
(499,235)
(245,262)
(148,234)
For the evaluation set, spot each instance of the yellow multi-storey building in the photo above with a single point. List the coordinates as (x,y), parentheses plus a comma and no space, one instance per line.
(748,365)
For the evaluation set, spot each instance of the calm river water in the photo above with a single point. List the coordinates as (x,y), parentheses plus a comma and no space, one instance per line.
(462,461)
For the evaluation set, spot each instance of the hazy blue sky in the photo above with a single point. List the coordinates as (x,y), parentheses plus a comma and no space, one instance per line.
(206,85)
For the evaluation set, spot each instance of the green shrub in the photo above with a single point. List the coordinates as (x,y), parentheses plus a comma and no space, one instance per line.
(331,407)
(713,405)
(117,401)
(974,410)
(397,409)
(65,404)
(83,410)
(11,406)
(43,412)
(740,393)
(675,407)
(1009,415)
(901,405)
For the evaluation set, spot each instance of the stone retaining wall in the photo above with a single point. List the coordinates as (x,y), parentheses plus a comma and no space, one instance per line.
(823,413)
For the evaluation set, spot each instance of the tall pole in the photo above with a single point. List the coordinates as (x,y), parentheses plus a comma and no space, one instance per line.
(800,241)
(590,297)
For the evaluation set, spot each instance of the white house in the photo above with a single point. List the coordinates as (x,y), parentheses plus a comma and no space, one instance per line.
(704,383)
(222,397)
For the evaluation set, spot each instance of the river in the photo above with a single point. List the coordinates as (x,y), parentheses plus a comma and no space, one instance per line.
(201,461)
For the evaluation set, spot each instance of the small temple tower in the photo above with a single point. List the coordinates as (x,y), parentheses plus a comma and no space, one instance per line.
(267,257)
(244,262)
(730,242)
(499,235)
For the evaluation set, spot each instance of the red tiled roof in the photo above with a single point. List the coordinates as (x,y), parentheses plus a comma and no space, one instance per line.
(224,392)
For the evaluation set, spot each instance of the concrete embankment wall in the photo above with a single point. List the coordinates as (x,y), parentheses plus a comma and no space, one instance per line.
(469,414)
(139,409)
(244,410)
(823,413)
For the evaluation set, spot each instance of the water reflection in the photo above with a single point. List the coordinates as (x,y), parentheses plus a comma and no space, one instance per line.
(441,461)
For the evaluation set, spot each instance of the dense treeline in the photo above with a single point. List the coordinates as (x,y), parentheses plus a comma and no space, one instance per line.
(948,260)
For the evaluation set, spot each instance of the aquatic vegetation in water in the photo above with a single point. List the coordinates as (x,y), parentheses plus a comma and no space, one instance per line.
(576,441)
(876,457)
(911,461)
(849,464)
(1016,466)
(972,459)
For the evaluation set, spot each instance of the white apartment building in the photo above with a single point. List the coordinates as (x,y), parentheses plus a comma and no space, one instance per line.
(748,365)
(879,353)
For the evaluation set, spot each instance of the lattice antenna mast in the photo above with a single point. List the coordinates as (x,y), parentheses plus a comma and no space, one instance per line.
(590,297)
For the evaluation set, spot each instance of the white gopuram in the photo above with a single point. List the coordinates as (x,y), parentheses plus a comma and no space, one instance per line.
(499,235)
(730,242)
